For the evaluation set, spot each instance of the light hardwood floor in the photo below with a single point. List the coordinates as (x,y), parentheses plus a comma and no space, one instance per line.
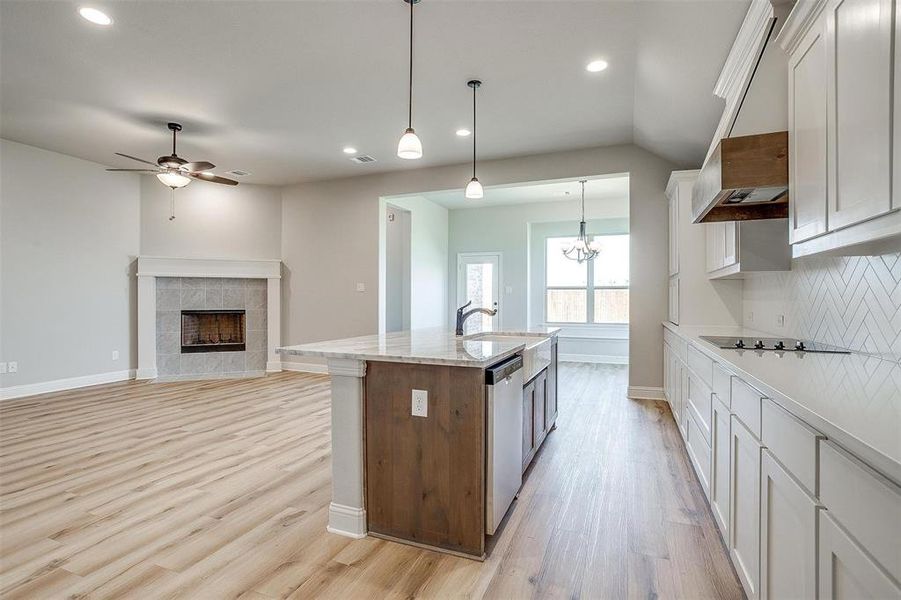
(219,489)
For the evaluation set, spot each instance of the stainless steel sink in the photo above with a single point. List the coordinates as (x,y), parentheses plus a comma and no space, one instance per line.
(536,356)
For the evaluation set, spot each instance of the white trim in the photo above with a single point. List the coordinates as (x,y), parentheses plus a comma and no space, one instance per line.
(606,359)
(640,392)
(347,521)
(154,266)
(803,14)
(303,367)
(59,385)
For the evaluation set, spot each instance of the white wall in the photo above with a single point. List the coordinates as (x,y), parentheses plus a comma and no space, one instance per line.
(505,229)
(211,220)
(428,259)
(69,234)
(318,216)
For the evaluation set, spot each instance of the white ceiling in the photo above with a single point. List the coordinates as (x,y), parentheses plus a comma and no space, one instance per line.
(278,88)
(607,189)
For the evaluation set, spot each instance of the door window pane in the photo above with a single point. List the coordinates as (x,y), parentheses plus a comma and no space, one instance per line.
(567,306)
(479,289)
(561,271)
(611,267)
(611,306)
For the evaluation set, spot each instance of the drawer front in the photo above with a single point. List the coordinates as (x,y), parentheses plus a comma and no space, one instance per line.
(699,453)
(792,442)
(676,344)
(864,503)
(699,401)
(722,385)
(745,405)
(701,364)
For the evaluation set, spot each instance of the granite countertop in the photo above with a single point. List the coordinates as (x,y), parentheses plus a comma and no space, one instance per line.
(855,398)
(435,346)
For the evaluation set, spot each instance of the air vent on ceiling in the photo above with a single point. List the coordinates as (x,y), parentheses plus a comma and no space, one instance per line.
(362,159)
(237,173)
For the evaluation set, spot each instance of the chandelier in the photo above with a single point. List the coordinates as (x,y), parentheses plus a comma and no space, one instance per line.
(581,249)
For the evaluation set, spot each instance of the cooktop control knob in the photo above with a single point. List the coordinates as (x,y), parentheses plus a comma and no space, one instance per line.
(799,345)
(779,345)
(740,344)
(759,344)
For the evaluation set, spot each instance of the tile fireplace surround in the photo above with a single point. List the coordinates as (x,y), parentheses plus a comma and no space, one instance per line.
(167,286)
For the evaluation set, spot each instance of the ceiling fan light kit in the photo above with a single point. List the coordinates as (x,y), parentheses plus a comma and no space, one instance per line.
(410,147)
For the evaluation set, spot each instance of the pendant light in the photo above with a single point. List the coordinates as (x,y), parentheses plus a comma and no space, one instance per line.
(409,146)
(581,249)
(474,188)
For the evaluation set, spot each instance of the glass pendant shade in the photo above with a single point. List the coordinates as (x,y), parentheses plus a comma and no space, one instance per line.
(474,189)
(582,248)
(409,146)
(173,179)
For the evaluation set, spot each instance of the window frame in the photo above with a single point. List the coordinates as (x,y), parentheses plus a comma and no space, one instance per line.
(589,288)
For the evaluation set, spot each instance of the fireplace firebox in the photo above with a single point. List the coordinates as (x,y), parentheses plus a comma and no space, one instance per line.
(212,331)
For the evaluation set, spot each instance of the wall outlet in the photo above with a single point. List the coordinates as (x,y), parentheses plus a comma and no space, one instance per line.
(361,287)
(2,368)
(780,320)
(13,367)
(115,355)
(420,406)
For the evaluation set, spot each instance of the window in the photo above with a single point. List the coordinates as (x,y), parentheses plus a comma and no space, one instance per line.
(596,291)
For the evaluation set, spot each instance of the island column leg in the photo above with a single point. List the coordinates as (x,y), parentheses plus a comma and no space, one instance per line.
(347,515)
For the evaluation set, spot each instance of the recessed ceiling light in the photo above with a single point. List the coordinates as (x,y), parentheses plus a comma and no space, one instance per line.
(94,16)
(463,132)
(349,150)
(596,66)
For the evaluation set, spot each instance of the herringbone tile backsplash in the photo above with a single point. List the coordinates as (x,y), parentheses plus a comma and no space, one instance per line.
(849,301)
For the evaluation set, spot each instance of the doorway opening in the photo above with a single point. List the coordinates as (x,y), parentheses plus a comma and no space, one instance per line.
(398,232)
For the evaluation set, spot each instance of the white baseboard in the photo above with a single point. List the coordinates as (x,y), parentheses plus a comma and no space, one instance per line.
(273,366)
(595,358)
(347,521)
(302,367)
(59,385)
(639,392)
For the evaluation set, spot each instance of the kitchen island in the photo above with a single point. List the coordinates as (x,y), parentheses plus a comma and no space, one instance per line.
(425,478)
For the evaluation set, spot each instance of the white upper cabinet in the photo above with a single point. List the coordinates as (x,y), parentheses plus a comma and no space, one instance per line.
(736,248)
(859,97)
(673,201)
(807,136)
(844,132)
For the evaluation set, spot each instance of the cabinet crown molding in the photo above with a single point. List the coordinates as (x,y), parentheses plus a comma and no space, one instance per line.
(802,16)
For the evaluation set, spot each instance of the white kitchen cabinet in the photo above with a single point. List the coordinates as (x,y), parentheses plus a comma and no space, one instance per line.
(719,470)
(807,160)
(841,79)
(736,248)
(744,506)
(788,546)
(858,100)
(673,204)
(846,570)
(673,315)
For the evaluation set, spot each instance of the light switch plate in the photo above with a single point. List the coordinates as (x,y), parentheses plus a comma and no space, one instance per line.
(13,367)
(115,355)
(420,407)
(780,320)
(361,287)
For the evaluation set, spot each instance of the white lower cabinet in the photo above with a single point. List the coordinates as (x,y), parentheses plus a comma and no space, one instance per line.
(846,570)
(744,507)
(719,469)
(788,545)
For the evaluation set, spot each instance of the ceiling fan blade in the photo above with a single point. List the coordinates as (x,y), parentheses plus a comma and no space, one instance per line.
(213,178)
(135,170)
(201,165)
(137,159)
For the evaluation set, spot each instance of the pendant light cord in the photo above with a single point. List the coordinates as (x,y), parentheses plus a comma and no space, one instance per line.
(410,98)
(583,200)
(474,88)
(173,142)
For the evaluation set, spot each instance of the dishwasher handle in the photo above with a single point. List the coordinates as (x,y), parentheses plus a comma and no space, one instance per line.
(498,372)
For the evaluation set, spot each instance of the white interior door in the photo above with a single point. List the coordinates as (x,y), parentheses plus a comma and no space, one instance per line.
(479,280)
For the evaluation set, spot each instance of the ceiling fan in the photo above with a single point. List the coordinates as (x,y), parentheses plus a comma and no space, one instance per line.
(174,171)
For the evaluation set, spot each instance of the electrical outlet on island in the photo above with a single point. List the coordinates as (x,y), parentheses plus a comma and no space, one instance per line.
(420,403)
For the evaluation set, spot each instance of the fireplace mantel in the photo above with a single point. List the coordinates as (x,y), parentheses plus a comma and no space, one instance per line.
(151,267)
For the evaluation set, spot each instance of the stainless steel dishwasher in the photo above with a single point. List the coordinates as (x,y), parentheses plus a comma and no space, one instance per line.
(503,387)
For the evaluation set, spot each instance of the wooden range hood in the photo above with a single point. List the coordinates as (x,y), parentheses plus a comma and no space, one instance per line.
(745,178)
